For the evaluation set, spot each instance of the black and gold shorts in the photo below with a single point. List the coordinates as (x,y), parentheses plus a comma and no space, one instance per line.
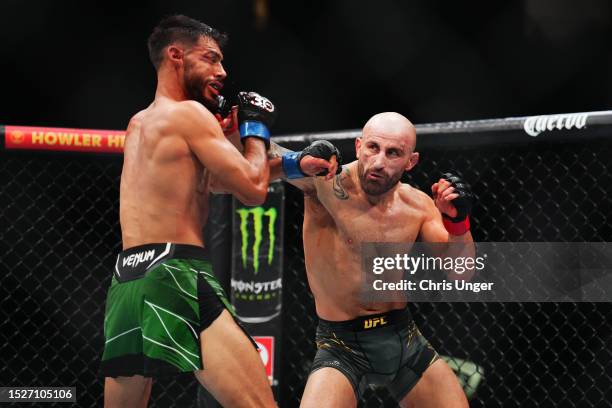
(385,349)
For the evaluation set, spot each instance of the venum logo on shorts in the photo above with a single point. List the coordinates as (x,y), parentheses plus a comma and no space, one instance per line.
(258,214)
(139,257)
(534,125)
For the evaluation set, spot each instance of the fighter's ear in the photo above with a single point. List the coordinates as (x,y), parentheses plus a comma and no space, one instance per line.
(414,159)
(357,146)
(175,54)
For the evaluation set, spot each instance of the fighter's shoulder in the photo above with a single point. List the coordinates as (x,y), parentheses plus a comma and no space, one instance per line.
(315,212)
(190,113)
(341,185)
(183,117)
(416,198)
(136,120)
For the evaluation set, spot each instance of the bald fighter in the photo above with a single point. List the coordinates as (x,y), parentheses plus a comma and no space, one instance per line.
(367,203)
(165,312)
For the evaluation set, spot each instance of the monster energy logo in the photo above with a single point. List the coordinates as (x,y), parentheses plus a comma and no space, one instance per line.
(258,215)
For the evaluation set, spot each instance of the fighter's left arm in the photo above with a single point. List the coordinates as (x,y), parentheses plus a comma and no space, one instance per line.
(321,158)
(293,167)
(447,220)
(229,125)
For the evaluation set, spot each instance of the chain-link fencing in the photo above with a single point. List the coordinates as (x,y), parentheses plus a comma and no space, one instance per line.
(533,354)
(60,236)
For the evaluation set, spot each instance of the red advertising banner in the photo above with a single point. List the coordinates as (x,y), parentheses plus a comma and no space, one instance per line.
(63,139)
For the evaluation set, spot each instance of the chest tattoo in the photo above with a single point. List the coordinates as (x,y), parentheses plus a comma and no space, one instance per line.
(339,190)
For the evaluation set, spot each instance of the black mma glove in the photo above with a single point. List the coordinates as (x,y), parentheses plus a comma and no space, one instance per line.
(255,115)
(459,224)
(223,106)
(321,149)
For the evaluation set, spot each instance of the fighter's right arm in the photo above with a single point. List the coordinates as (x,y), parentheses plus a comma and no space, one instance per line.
(321,158)
(246,177)
(275,154)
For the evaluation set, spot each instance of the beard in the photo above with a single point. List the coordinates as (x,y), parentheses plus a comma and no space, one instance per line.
(195,87)
(381,186)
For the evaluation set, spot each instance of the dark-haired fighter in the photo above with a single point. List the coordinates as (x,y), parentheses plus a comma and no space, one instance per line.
(165,311)
(367,203)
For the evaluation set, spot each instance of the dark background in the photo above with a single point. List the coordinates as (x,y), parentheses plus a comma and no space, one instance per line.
(328,65)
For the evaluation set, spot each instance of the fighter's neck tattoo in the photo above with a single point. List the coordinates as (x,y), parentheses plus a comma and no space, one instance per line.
(339,190)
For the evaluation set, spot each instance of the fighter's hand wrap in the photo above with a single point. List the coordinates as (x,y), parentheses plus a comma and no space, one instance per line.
(460,224)
(255,115)
(321,149)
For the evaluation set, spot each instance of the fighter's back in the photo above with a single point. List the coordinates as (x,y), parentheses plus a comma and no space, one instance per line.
(163,192)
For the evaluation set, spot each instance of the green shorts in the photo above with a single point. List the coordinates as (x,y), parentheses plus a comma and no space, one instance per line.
(161,298)
(385,349)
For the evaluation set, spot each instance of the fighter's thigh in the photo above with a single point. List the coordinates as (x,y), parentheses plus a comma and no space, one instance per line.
(233,372)
(126,392)
(328,387)
(437,388)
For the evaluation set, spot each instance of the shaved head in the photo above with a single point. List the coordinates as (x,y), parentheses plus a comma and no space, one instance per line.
(385,151)
(393,125)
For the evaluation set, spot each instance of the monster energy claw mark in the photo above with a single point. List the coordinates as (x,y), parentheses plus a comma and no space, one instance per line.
(258,214)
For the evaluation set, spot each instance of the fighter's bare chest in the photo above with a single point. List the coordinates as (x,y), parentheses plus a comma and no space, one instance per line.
(362,223)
